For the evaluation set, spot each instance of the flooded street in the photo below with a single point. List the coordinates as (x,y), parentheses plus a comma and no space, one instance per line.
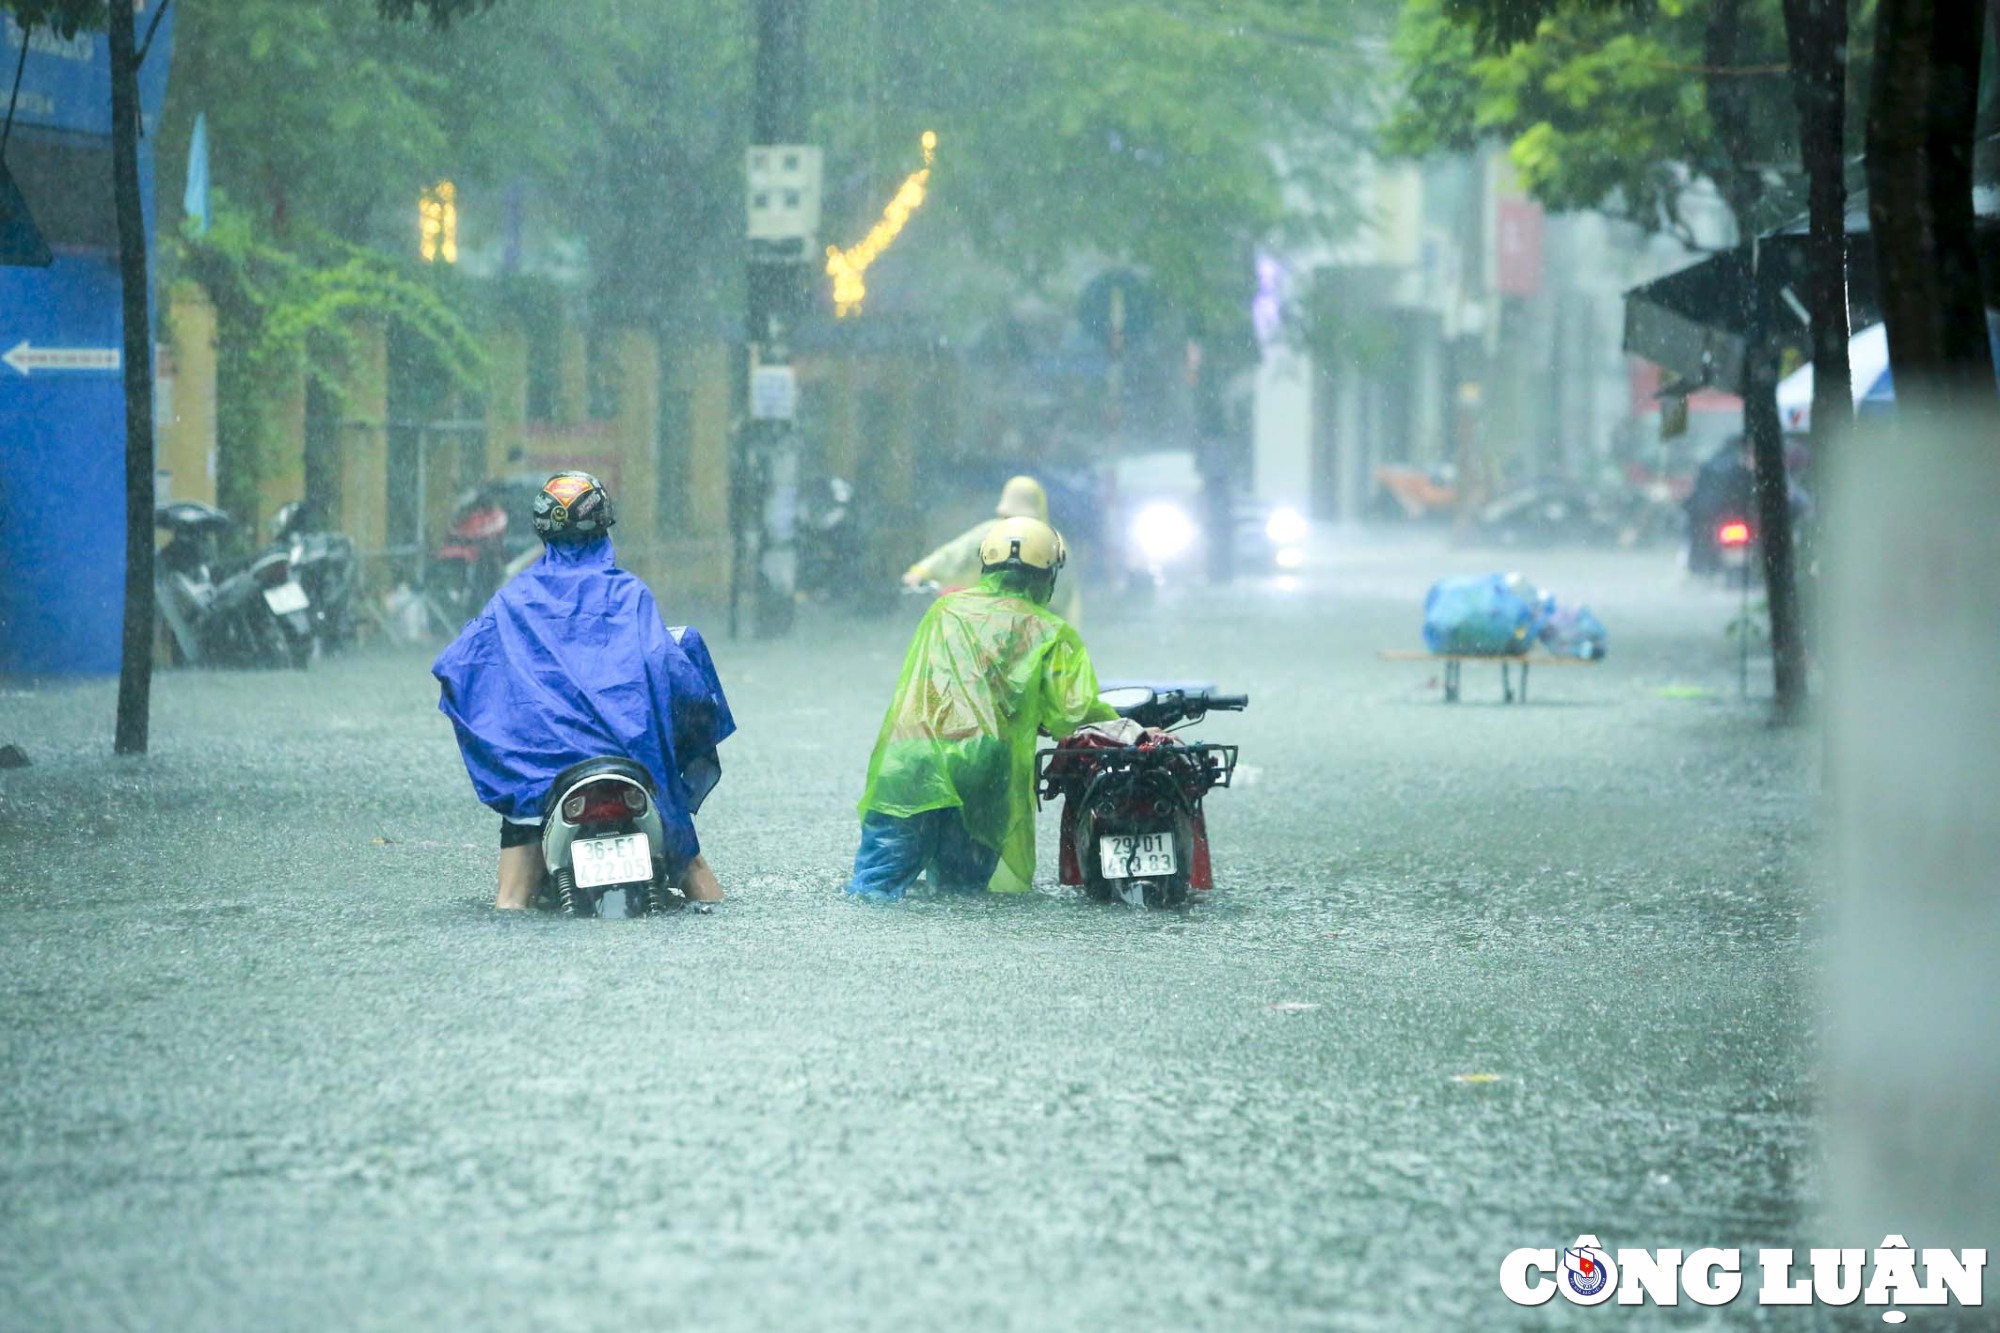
(1475,978)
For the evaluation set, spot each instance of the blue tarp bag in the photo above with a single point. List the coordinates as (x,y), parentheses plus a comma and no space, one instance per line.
(1485,615)
(1572,631)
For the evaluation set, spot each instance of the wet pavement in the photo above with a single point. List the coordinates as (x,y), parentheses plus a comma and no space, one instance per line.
(1477,978)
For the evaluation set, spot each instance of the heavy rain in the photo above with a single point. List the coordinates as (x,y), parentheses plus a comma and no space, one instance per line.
(816,664)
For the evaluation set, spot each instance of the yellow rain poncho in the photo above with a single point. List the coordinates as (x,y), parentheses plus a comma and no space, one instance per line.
(956,563)
(987,668)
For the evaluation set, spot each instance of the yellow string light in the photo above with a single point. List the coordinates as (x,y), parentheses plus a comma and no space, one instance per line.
(437,219)
(845,267)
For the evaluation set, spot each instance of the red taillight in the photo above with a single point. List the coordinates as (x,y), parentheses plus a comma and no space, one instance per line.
(1733,533)
(604,803)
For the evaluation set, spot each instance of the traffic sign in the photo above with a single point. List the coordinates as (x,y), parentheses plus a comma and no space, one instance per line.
(26,358)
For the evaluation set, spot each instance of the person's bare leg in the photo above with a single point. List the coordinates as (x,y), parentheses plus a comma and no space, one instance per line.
(699,884)
(521,871)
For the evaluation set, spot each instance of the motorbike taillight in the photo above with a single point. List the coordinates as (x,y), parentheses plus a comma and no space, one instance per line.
(604,803)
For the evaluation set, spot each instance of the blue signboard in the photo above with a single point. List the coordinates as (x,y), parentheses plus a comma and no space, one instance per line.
(62,394)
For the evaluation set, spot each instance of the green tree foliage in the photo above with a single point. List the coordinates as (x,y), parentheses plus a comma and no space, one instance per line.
(1172,138)
(612,134)
(441,13)
(1611,107)
(67,17)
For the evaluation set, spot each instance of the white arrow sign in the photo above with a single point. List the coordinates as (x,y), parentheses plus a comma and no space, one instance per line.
(26,360)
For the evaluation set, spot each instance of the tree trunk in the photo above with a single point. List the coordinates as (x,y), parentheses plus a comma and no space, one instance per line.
(1741,188)
(1816,35)
(1774,507)
(1922,113)
(135,672)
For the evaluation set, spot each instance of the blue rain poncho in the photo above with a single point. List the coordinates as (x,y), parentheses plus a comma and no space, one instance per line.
(569,661)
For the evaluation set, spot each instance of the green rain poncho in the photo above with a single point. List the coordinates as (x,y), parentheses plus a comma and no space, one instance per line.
(987,668)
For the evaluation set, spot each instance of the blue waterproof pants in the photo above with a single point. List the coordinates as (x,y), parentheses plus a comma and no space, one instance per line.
(895,851)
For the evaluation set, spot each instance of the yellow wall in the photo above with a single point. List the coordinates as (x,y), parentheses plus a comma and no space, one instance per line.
(363,446)
(282,478)
(506,397)
(186,448)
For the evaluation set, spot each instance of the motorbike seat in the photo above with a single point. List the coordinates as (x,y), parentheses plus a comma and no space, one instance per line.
(605,765)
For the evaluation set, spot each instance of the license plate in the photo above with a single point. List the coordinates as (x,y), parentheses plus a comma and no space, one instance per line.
(622,860)
(1136,855)
(286,598)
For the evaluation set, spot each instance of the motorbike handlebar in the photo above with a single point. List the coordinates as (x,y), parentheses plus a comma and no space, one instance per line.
(1170,708)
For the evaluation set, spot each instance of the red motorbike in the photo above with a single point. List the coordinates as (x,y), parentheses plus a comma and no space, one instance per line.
(1133,829)
(491,527)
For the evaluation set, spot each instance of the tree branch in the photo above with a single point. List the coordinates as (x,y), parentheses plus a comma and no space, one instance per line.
(20,68)
(152,29)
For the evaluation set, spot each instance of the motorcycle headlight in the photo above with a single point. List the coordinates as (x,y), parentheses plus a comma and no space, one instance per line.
(1286,527)
(1162,531)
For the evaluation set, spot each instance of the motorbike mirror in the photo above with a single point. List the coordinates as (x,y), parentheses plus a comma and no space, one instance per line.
(1128,697)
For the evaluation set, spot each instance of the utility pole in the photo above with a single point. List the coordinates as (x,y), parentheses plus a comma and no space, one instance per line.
(135,671)
(783,218)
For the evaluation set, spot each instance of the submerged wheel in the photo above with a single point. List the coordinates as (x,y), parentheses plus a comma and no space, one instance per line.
(1106,812)
(658,896)
(570,900)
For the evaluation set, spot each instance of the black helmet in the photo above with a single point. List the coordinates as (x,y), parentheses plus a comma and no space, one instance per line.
(572,506)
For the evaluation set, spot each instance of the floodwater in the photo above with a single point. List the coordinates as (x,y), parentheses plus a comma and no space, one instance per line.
(1477,978)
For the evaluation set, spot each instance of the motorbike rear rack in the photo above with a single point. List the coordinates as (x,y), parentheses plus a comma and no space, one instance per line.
(1218,761)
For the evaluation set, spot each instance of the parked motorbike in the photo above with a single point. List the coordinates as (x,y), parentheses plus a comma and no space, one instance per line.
(252,614)
(1133,828)
(490,529)
(324,565)
(829,540)
(1552,511)
(602,833)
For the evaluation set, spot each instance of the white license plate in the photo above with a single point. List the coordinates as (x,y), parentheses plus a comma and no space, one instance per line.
(286,598)
(1136,855)
(622,860)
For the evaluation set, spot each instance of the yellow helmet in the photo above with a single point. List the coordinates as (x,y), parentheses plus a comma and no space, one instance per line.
(1023,497)
(1022,543)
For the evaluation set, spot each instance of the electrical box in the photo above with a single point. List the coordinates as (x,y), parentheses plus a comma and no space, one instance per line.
(784,188)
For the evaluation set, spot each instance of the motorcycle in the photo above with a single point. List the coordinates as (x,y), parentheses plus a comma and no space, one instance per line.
(255,615)
(489,531)
(1133,828)
(829,539)
(1551,511)
(602,834)
(324,565)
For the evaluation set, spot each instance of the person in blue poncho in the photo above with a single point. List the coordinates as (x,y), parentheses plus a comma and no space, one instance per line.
(570,661)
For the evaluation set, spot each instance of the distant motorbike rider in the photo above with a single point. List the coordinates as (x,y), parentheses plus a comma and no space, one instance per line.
(956,563)
(1725,489)
(951,781)
(571,660)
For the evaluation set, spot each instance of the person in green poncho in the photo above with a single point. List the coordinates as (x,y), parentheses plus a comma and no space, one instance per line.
(951,783)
